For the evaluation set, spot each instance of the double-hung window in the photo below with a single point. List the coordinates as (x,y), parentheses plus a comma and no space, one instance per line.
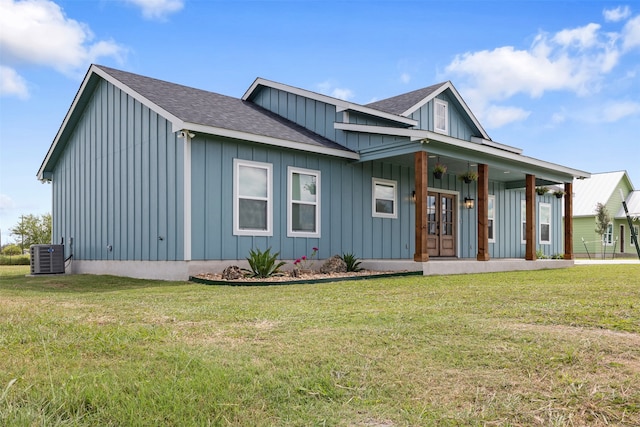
(303,207)
(492,218)
(384,198)
(252,198)
(608,236)
(441,116)
(545,223)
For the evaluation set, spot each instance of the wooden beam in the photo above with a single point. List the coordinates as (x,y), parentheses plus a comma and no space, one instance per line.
(530,192)
(483,213)
(568,220)
(421,181)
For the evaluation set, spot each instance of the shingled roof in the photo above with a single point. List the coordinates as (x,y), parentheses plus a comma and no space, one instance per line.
(214,110)
(401,103)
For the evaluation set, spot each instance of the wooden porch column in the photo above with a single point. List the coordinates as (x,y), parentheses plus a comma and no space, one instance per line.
(530,191)
(421,181)
(483,213)
(568,220)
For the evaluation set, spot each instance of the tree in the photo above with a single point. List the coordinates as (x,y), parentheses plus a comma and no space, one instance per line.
(32,230)
(603,219)
(11,249)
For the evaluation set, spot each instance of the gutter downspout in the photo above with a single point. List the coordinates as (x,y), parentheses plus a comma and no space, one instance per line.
(187,135)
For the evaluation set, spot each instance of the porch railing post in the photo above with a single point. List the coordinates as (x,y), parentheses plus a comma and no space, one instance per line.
(483,213)
(568,220)
(530,232)
(421,183)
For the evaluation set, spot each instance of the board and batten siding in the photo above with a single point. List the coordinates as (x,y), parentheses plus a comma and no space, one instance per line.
(117,188)
(459,126)
(346,224)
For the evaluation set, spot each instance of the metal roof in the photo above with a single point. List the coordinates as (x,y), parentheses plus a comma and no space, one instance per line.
(591,191)
(633,206)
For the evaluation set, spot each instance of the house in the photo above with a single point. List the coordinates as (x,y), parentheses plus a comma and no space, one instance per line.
(609,189)
(154,179)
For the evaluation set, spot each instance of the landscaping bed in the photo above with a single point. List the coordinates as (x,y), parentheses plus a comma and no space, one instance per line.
(299,278)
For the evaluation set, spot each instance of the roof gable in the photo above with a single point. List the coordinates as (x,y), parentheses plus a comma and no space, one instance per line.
(633,205)
(409,102)
(597,189)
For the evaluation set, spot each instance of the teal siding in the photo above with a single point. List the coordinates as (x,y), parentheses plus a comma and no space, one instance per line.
(119,183)
(459,125)
(346,224)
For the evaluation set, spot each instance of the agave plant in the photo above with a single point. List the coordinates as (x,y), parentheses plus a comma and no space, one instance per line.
(263,264)
(352,262)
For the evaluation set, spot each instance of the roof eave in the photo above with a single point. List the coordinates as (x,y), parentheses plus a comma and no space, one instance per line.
(340,104)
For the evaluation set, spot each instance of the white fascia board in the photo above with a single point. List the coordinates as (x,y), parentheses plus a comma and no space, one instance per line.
(177,124)
(442,88)
(340,104)
(496,145)
(426,136)
(262,139)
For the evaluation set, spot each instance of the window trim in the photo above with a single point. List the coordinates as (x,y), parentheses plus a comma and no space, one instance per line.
(445,104)
(237,231)
(523,221)
(290,231)
(388,183)
(607,237)
(492,200)
(540,207)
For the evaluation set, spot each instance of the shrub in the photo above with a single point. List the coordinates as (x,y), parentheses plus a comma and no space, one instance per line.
(15,260)
(263,264)
(352,262)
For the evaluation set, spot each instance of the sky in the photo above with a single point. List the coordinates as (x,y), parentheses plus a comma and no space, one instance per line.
(559,79)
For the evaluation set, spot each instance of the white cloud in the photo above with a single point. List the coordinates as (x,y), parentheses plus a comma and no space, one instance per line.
(619,110)
(12,84)
(38,32)
(329,88)
(157,9)
(617,14)
(496,116)
(631,34)
(574,60)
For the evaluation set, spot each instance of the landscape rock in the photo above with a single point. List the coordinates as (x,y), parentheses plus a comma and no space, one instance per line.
(232,272)
(335,264)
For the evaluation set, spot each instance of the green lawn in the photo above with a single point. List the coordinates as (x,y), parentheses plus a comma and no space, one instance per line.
(552,348)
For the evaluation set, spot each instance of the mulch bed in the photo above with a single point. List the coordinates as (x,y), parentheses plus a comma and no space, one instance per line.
(286,279)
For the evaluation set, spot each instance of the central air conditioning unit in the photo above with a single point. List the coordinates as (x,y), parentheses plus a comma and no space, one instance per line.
(47,259)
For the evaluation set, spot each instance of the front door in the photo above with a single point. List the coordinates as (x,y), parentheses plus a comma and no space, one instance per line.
(441,224)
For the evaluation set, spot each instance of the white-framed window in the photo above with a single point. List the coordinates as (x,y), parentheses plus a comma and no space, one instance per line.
(631,242)
(303,203)
(441,116)
(492,218)
(384,198)
(252,198)
(545,223)
(607,237)
(523,221)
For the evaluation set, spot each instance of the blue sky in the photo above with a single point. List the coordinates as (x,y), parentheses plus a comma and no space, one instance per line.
(559,79)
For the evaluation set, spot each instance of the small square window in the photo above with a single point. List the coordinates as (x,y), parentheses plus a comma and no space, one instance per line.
(384,198)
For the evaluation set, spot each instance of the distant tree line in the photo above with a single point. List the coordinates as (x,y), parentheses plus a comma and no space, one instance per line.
(31,230)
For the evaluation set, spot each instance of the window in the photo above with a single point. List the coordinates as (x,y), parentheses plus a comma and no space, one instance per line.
(607,238)
(492,218)
(384,198)
(545,223)
(441,116)
(523,221)
(303,203)
(252,198)
(631,242)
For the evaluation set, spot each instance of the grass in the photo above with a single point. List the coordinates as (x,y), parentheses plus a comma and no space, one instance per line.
(552,348)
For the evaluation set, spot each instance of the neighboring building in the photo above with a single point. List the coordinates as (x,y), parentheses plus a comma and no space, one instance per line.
(604,188)
(154,179)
